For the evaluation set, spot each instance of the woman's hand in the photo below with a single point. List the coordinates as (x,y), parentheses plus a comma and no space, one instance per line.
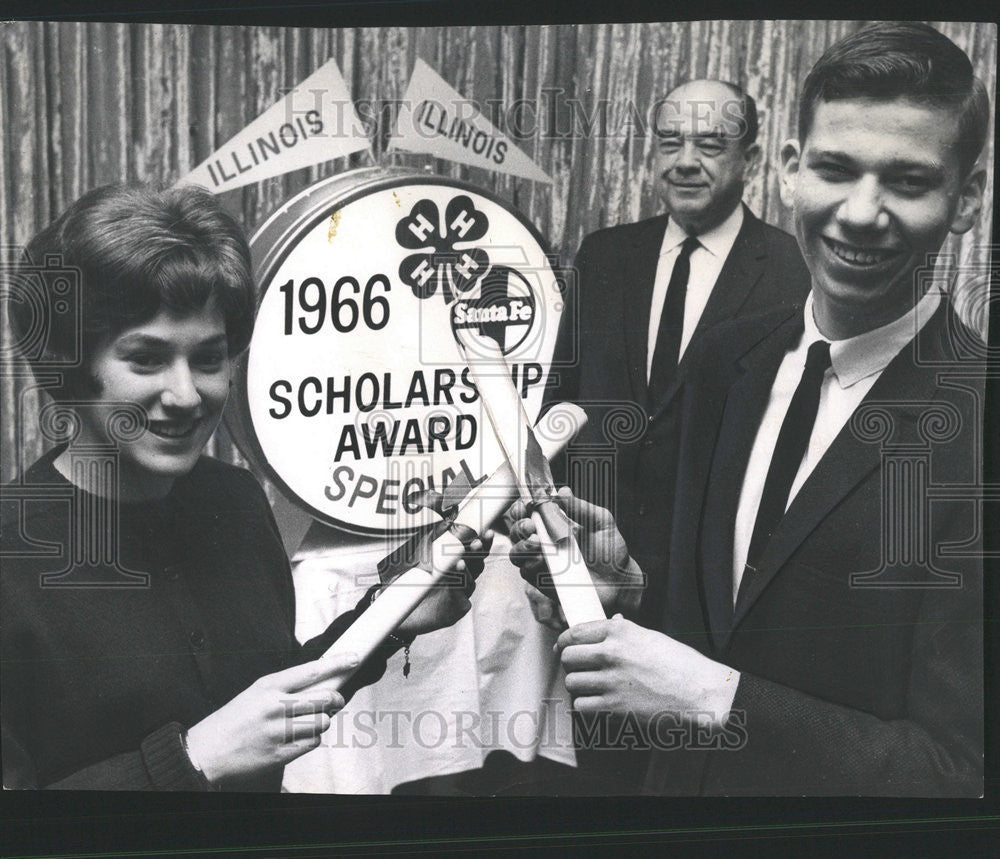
(269,723)
(448,602)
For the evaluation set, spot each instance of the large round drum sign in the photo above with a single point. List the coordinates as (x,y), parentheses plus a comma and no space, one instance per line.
(355,396)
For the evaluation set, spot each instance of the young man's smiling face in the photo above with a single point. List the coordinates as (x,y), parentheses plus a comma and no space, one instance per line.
(876,187)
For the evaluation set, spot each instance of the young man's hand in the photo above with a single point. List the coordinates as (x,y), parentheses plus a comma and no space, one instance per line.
(617,577)
(619,666)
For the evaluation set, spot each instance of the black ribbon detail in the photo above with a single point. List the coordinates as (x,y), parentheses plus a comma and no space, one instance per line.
(417,551)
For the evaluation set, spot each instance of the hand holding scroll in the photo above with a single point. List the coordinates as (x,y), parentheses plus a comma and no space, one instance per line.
(618,666)
(273,721)
(447,602)
(417,566)
(617,577)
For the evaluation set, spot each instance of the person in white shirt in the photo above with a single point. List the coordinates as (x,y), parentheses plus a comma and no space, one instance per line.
(821,631)
(642,303)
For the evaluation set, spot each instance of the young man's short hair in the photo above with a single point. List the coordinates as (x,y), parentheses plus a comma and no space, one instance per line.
(893,60)
(138,251)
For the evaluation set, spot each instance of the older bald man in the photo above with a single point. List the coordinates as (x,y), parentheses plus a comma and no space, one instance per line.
(647,293)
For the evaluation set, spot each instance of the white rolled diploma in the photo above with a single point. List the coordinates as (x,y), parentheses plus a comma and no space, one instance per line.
(483,506)
(570,576)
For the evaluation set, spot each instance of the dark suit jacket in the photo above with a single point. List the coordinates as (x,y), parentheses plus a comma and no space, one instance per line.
(600,361)
(845,688)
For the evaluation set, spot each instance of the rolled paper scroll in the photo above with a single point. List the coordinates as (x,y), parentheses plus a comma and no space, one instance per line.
(505,410)
(557,537)
(570,576)
(480,509)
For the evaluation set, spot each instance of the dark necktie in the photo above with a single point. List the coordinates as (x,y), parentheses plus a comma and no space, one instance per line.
(793,439)
(666,355)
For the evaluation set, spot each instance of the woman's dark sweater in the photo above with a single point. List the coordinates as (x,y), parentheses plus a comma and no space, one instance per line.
(102,671)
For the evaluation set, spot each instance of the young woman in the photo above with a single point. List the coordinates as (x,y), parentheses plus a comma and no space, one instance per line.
(147,610)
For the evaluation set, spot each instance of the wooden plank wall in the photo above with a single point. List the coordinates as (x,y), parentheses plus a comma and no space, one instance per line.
(87,104)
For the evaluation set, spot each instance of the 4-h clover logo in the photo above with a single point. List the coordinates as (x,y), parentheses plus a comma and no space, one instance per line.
(492,301)
(447,259)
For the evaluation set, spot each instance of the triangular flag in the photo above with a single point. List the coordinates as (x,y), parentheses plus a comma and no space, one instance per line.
(443,123)
(315,122)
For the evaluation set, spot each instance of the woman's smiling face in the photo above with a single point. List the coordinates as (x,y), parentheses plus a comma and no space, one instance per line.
(177,369)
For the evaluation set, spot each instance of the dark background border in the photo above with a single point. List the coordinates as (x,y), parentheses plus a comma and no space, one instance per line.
(90,824)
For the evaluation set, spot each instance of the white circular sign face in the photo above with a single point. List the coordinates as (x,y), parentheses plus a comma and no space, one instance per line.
(357,391)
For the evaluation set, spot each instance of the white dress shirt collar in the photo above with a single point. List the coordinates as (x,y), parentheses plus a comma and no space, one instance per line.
(718,241)
(707,261)
(857,364)
(857,358)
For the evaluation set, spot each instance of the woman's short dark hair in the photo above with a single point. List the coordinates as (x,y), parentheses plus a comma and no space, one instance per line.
(137,251)
(902,59)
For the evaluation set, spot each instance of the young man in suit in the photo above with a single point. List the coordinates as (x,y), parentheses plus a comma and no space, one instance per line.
(812,640)
(648,291)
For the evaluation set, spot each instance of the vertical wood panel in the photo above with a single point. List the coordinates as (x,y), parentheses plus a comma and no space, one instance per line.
(73,101)
(8,391)
(107,108)
(85,104)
